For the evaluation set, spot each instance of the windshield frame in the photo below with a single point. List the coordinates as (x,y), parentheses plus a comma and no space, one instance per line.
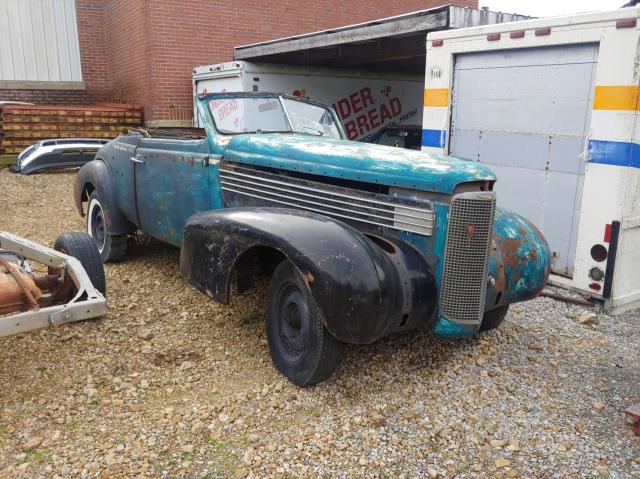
(280,97)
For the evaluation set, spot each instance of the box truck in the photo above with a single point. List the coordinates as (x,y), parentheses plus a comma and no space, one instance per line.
(365,101)
(551,105)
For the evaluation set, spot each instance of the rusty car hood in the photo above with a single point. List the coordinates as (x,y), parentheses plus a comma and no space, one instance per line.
(356,161)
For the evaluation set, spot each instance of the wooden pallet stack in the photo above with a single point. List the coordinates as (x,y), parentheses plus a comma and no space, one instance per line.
(23,125)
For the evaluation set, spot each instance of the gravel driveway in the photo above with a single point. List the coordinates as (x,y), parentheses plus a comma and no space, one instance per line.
(170,384)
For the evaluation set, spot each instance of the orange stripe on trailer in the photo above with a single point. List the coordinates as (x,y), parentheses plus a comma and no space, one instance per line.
(436,97)
(616,98)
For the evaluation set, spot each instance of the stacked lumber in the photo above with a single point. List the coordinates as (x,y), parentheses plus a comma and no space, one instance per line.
(23,125)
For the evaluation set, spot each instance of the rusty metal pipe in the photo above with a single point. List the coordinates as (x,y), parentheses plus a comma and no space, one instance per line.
(567,299)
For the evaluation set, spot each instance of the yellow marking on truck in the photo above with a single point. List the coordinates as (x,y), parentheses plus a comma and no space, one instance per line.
(616,98)
(436,97)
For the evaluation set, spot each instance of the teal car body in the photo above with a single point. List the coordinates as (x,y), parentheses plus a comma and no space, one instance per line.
(412,206)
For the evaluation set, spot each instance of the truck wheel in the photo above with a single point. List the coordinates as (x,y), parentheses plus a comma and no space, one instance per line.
(82,247)
(493,318)
(112,248)
(301,347)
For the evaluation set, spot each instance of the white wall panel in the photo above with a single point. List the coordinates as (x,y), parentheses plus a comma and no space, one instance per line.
(39,41)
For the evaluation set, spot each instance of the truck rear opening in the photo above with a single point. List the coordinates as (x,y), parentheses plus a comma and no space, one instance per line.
(365,101)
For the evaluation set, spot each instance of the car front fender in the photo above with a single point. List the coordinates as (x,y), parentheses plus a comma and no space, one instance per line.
(364,289)
(519,263)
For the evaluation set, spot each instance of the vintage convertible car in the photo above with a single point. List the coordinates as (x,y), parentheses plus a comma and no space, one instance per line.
(359,240)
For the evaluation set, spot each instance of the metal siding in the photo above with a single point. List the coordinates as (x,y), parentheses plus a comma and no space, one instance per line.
(6,60)
(525,113)
(27,40)
(49,28)
(16,41)
(38,32)
(41,41)
(73,47)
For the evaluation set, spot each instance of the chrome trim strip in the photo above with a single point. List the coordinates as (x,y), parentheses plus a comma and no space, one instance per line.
(323,211)
(391,219)
(391,210)
(350,197)
(331,200)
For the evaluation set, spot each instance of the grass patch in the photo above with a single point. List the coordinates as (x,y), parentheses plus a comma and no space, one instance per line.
(7,160)
(250,318)
(187,456)
(37,455)
(224,456)
(313,412)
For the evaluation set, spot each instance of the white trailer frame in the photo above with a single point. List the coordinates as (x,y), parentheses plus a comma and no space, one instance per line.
(609,208)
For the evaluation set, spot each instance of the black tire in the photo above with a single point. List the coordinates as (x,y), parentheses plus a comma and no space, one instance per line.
(301,347)
(83,247)
(493,318)
(14,169)
(112,248)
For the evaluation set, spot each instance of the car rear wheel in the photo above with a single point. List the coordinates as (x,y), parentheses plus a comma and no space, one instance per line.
(493,318)
(112,248)
(301,347)
(82,247)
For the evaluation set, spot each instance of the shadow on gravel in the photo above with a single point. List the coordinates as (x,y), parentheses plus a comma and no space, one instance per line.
(143,247)
(392,359)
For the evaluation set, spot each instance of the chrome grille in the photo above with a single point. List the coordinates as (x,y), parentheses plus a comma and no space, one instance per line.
(265,188)
(466,256)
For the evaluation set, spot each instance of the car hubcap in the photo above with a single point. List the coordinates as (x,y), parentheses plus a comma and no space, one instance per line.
(97,225)
(293,322)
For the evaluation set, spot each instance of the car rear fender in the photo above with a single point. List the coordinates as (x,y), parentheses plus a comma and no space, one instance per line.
(95,176)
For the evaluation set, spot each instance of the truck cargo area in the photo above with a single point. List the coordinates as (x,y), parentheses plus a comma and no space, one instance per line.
(371,73)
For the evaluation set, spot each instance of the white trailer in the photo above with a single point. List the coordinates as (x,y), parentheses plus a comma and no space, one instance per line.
(551,105)
(364,100)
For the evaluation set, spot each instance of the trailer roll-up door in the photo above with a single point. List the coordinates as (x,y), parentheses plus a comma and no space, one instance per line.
(526,113)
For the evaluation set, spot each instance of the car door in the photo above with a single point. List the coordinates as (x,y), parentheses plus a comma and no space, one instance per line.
(172,183)
(122,168)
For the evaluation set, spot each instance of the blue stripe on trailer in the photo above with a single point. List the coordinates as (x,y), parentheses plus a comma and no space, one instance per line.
(434,138)
(617,153)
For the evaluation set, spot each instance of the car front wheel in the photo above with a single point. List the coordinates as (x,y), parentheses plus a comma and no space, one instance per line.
(112,248)
(301,347)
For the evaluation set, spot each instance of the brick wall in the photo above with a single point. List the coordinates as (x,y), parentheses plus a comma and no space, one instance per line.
(64,97)
(128,50)
(93,49)
(143,51)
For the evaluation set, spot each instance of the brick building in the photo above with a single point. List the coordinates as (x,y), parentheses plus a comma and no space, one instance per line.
(143,51)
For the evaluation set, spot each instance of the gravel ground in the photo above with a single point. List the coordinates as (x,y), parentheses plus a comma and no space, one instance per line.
(170,384)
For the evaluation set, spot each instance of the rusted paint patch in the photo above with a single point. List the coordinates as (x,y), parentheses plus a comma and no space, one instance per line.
(501,282)
(509,248)
(520,261)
